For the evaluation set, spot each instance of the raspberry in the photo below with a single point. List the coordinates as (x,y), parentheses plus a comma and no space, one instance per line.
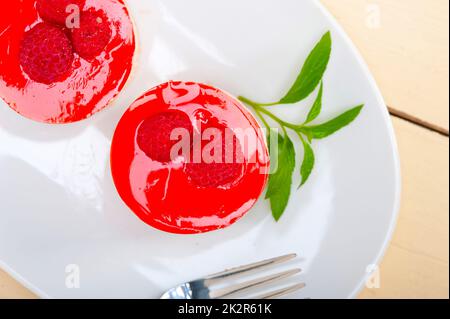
(210,174)
(214,175)
(55,10)
(154,134)
(46,54)
(93,34)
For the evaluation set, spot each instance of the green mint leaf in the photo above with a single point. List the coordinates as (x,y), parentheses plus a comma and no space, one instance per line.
(308,162)
(272,133)
(280,182)
(311,73)
(317,106)
(326,129)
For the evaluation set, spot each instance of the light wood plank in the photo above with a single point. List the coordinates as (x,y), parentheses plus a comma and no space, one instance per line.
(408,52)
(407,275)
(11,289)
(417,263)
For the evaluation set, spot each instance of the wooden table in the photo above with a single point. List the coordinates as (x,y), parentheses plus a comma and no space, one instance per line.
(406,44)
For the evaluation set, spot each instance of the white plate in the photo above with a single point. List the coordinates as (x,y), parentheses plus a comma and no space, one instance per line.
(58,205)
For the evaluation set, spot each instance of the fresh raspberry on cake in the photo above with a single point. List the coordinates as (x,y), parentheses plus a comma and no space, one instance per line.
(221,164)
(93,35)
(46,54)
(154,134)
(57,11)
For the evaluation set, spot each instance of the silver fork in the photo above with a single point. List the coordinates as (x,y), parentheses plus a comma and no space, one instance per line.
(203,288)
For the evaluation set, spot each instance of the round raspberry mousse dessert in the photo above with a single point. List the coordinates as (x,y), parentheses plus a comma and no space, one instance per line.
(188,158)
(63,60)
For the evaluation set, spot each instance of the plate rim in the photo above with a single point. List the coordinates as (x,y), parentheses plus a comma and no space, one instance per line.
(392,138)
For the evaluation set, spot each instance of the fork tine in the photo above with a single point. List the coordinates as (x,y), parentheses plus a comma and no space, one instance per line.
(251,267)
(224,292)
(281,292)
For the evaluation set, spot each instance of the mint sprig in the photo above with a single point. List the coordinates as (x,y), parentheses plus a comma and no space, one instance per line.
(311,74)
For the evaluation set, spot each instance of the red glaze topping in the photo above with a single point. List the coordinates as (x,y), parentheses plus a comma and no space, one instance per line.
(37,78)
(210,180)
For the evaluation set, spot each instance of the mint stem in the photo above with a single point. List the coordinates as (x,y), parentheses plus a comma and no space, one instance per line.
(255,104)
(259,108)
(266,124)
